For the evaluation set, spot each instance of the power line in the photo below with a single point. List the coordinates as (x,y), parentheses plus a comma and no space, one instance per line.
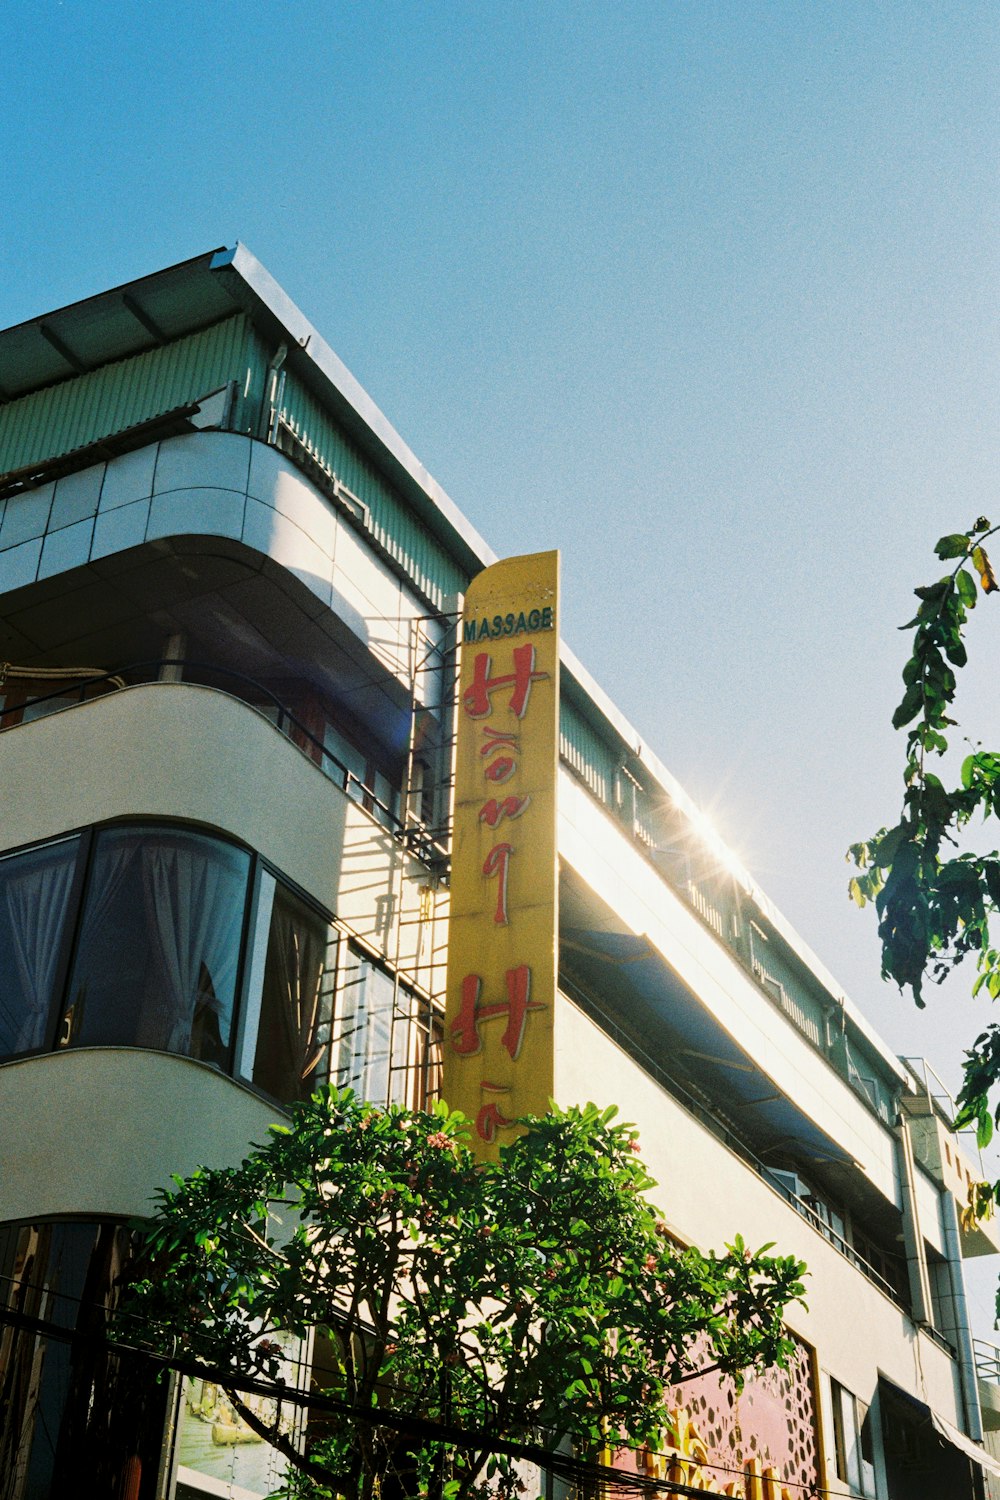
(564,1465)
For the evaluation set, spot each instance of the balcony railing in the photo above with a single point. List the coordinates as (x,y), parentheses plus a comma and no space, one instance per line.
(987,1360)
(721,1131)
(426,843)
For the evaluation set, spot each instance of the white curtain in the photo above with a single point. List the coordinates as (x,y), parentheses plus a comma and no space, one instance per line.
(298,952)
(36,896)
(194,911)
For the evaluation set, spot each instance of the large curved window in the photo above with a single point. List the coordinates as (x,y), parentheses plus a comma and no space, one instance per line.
(158,951)
(157,936)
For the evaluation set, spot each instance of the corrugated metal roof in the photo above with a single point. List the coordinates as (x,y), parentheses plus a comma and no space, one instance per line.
(124,321)
(116,396)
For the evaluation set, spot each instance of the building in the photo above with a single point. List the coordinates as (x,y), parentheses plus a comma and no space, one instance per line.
(229,599)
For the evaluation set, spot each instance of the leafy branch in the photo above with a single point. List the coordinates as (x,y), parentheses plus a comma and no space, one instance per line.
(935,899)
(539,1293)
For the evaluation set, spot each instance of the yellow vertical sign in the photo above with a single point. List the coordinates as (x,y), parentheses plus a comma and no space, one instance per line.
(502,949)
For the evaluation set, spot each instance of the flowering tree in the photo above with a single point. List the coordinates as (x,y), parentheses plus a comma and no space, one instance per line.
(459,1306)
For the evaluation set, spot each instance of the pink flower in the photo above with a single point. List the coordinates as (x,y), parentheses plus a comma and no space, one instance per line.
(633,1144)
(440,1141)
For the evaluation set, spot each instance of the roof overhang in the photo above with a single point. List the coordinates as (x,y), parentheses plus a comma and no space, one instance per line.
(945,1429)
(641,985)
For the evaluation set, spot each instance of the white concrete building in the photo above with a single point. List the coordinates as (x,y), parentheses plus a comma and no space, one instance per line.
(228,603)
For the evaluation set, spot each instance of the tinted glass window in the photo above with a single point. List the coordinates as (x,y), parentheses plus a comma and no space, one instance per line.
(372,1043)
(158,951)
(292,1046)
(76,1419)
(35,891)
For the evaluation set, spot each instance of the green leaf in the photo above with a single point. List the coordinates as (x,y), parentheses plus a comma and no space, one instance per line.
(911,705)
(955,545)
(966,587)
(932,593)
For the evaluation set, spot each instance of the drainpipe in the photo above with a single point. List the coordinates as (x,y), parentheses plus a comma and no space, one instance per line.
(963,1330)
(913,1240)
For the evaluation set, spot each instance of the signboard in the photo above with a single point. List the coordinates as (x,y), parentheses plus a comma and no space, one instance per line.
(502,925)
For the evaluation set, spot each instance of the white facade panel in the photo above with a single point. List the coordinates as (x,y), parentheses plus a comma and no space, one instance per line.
(708,1195)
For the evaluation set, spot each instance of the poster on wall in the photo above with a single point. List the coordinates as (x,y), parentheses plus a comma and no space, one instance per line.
(502,925)
(216,1453)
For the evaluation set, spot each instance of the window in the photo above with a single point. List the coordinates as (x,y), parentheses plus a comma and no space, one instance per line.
(286,1033)
(852,1434)
(35,888)
(371,1041)
(365,782)
(158,951)
(157,936)
(77,1419)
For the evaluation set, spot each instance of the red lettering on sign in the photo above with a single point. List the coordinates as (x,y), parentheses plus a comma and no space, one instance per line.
(465,1038)
(494,739)
(477,699)
(497,863)
(489,1120)
(492,812)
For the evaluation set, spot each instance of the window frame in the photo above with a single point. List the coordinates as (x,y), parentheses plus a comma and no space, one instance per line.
(423,1019)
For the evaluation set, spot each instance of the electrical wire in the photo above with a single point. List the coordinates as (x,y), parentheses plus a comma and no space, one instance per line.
(561,1464)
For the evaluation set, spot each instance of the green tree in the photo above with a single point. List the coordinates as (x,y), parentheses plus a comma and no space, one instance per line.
(935,896)
(534,1299)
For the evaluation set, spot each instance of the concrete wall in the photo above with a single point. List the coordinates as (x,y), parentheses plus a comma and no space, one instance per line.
(177,751)
(99,1130)
(708,1194)
(213,484)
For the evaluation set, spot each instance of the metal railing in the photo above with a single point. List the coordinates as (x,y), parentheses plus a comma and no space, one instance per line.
(427,844)
(943,1101)
(722,1131)
(987,1357)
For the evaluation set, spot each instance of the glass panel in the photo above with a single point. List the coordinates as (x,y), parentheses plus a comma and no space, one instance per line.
(48,705)
(75,1420)
(34,902)
(347,755)
(292,1052)
(159,944)
(365,1033)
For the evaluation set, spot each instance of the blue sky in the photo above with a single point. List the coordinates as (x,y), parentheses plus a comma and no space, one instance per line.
(704,294)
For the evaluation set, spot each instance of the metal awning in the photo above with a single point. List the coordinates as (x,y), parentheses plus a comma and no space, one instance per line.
(637,983)
(945,1429)
(965,1445)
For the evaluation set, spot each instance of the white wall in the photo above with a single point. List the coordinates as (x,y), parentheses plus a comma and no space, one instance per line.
(174,750)
(708,1194)
(99,1130)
